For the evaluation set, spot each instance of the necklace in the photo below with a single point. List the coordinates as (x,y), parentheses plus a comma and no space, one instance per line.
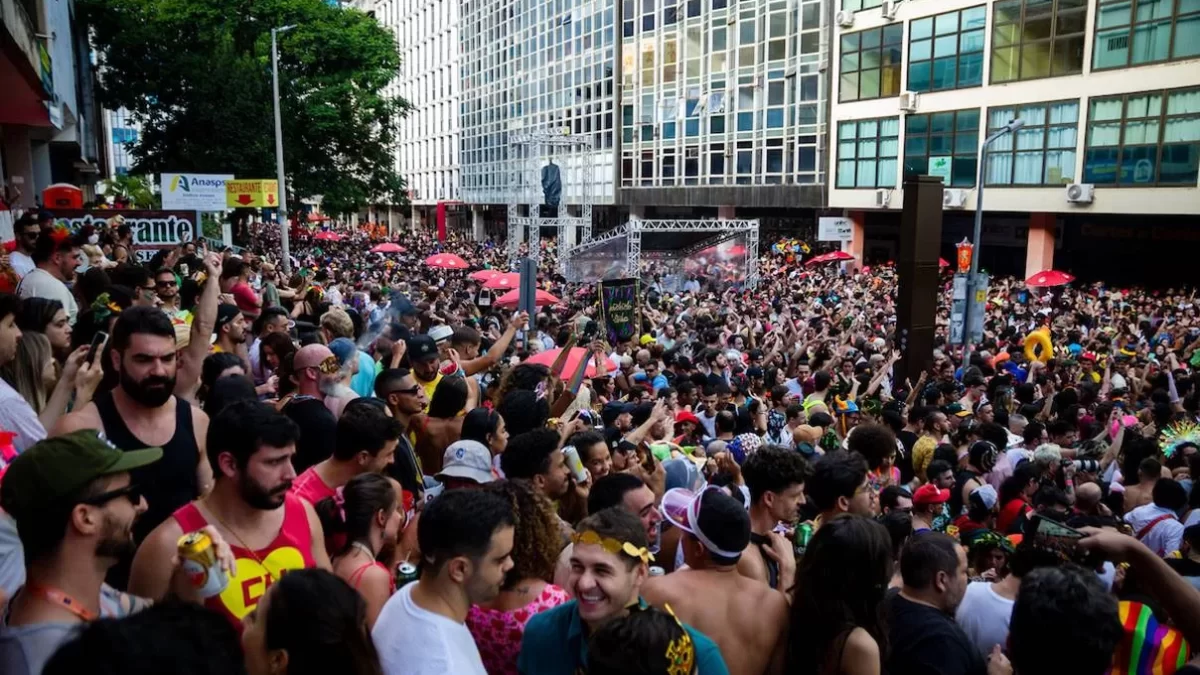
(57,597)
(363,548)
(270,575)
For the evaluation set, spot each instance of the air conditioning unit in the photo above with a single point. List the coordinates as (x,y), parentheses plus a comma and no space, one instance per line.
(908,101)
(845,18)
(954,199)
(890,7)
(882,197)
(1081,193)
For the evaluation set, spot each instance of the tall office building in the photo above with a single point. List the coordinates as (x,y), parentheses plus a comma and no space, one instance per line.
(427,154)
(1104,169)
(122,135)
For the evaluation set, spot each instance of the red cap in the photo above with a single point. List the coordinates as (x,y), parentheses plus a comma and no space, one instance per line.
(929,494)
(685,416)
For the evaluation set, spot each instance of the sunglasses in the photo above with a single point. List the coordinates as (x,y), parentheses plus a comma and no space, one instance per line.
(165,282)
(328,367)
(411,391)
(131,492)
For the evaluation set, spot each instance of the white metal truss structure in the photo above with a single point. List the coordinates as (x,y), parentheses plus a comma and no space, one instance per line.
(722,230)
(528,151)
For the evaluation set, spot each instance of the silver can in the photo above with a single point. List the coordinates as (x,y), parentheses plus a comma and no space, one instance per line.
(575,464)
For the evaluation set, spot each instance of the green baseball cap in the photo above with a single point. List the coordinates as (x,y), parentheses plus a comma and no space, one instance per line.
(43,476)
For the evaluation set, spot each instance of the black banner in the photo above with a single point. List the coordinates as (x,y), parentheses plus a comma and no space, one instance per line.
(620,309)
(152,230)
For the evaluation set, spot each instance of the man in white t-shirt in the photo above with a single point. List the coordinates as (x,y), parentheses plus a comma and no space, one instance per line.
(466,538)
(26,230)
(56,255)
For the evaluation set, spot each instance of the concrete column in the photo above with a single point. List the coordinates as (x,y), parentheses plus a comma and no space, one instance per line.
(637,213)
(1039,254)
(43,176)
(477,229)
(858,237)
(726,213)
(19,160)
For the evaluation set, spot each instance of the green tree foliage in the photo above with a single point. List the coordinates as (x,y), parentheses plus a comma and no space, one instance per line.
(197,77)
(137,191)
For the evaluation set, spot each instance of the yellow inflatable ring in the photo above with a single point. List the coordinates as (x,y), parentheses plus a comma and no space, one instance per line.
(1039,338)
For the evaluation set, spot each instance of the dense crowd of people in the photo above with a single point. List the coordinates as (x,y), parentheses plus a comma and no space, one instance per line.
(358,462)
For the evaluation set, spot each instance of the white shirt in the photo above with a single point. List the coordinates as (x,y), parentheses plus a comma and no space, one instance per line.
(983,615)
(414,641)
(21,263)
(17,416)
(1166,535)
(41,284)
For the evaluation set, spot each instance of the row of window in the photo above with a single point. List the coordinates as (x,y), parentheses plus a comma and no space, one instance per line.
(1142,140)
(1030,39)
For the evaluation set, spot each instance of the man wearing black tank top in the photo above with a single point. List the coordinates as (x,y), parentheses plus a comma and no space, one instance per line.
(142,412)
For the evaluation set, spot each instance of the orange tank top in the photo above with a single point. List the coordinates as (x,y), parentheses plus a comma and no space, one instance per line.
(257,570)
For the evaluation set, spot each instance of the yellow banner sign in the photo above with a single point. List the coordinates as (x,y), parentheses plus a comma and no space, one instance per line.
(252,194)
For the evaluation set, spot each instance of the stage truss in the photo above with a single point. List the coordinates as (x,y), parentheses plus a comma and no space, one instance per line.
(527,152)
(721,231)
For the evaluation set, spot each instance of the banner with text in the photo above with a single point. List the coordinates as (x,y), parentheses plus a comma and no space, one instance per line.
(194,191)
(152,230)
(620,309)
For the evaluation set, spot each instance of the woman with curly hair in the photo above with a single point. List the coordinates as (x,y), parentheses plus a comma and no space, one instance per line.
(498,626)
(837,623)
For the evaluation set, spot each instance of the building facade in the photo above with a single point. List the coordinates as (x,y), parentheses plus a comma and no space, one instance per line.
(122,135)
(1108,92)
(50,127)
(427,152)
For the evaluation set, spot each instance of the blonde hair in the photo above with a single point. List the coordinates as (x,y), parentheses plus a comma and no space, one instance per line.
(91,249)
(24,373)
(338,323)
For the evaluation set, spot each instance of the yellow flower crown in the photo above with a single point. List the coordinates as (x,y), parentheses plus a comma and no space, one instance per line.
(613,546)
(681,652)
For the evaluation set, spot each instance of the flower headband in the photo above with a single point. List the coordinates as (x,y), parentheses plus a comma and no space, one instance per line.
(1177,435)
(103,307)
(613,546)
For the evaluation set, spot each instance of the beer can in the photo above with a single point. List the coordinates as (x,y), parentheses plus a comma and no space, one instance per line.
(198,557)
(406,573)
(656,571)
(575,464)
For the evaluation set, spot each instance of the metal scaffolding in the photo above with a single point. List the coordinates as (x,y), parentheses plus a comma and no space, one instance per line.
(721,230)
(528,151)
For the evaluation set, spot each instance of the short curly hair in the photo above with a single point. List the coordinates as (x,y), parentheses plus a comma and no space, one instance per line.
(536,539)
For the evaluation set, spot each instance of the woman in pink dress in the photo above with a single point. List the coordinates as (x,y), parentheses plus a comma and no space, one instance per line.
(497,626)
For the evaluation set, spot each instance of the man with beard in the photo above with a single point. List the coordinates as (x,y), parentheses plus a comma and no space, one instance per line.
(315,371)
(74,502)
(423,357)
(166,284)
(609,563)
(269,530)
(230,332)
(56,256)
(466,540)
(142,412)
(366,443)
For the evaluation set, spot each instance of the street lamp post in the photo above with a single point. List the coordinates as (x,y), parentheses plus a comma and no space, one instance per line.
(969,318)
(283,212)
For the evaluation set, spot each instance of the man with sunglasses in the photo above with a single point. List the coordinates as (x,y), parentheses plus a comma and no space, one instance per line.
(21,259)
(74,501)
(166,285)
(405,398)
(315,372)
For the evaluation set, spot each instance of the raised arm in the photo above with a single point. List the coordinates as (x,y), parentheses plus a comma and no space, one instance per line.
(202,327)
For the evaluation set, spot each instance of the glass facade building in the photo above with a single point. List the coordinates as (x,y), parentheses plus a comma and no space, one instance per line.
(536,66)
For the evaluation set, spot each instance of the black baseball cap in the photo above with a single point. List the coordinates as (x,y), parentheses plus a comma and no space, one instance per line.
(614,409)
(225,314)
(421,348)
(641,412)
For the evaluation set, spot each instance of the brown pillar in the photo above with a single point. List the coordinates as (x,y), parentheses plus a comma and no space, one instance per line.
(916,305)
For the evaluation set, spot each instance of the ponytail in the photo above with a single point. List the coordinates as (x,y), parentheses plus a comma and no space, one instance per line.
(351,510)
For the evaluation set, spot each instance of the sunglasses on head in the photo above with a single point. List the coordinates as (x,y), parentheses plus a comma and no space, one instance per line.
(131,492)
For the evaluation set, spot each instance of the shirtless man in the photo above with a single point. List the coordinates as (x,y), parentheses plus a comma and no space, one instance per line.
(1141,493)
(441,424)
(710,592)
(775,477)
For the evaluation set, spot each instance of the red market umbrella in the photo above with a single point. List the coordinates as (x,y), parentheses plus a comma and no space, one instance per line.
(503,281)
(387,247)
(328,236)
(484,275)
(510,299)
(1047,278)
(942,262)
(549,357)
(835,256)
(446,261)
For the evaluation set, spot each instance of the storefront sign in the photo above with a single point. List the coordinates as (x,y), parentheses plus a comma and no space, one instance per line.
(835,229)
(152,230)
(194,191)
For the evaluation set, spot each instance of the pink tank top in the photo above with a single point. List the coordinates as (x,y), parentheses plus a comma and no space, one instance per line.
(256,571)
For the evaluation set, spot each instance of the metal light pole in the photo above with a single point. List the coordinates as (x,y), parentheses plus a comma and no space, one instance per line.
(283,212)
(1009,128)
